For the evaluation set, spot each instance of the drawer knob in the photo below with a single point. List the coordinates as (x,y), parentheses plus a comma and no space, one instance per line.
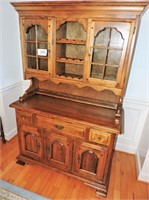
(59,127)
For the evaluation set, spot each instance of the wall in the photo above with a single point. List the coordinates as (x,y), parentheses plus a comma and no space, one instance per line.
(136,105)
(136,100)
(142,153)
(10,66)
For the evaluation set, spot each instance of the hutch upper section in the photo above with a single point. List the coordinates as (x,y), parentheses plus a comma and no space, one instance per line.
(87,43)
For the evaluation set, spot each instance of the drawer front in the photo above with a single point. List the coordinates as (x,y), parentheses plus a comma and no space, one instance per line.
(59,126)
(24,117)
(99,137)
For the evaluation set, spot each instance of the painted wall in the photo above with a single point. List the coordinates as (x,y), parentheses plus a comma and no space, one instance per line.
(10,64)
(136,100)
(11,55)
(12,86)
(136,104)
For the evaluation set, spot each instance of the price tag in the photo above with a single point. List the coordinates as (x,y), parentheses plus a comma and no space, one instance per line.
(42,52)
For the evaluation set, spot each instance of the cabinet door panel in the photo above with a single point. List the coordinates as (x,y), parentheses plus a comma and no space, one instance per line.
(107,51)
(90,161)
(35,44)
(31,142)
(58,151)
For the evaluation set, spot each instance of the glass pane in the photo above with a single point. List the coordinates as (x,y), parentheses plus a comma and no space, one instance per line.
(32,63)
(31,34)
(96,71)
(43,64)
(41,34)
(69,70)
(111,73)
(116,38)
(31,49)
(102,37)
(114,57)
(43,46)
(71,30)
(99,55)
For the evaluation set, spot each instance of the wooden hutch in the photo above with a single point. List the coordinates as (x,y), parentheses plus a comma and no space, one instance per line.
(77,55)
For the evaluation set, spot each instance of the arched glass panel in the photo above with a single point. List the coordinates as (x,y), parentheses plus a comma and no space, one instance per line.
(37,48)
(102,37)
(106,54)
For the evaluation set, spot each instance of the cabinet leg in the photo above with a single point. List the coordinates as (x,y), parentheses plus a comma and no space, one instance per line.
(20,162)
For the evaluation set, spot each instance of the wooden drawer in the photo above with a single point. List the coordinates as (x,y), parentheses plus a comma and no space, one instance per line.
(59,126)
(99,137)
(24,117)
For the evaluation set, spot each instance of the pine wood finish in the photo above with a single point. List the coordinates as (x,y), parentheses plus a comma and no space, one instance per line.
(123,183)
(78,65)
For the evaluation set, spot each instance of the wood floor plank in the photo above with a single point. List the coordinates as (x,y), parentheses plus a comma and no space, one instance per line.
(57,186)
(123,177)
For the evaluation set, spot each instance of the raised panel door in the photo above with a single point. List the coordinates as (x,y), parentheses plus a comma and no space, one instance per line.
(89,161)
(58,151)
(31,142)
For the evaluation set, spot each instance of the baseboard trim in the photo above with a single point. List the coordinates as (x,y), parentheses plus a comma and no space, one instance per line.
(144,177)
(138,163)
(11,134)
(142,173)
(125,148)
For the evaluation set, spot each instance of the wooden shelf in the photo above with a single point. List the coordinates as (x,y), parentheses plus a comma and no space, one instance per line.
(70,41)
(73,76)
(70,60)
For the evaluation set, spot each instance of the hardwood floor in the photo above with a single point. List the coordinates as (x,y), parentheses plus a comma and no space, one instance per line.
(54,185)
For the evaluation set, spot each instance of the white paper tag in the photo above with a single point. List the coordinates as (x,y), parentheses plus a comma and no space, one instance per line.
(42,52)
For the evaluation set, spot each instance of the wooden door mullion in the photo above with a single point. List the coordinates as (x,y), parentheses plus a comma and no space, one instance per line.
(36,35)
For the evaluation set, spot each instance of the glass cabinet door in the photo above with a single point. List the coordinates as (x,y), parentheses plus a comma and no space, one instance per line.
(36,37)
(107,50)
(70,50)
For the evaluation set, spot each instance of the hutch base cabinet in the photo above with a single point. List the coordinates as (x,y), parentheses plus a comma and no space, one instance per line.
(77,55)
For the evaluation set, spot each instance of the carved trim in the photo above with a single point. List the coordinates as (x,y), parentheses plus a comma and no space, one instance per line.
(118,112)
(34,85)
(28,23)
(97,88)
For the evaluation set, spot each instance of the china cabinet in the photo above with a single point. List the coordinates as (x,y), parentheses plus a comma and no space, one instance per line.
(77,55)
